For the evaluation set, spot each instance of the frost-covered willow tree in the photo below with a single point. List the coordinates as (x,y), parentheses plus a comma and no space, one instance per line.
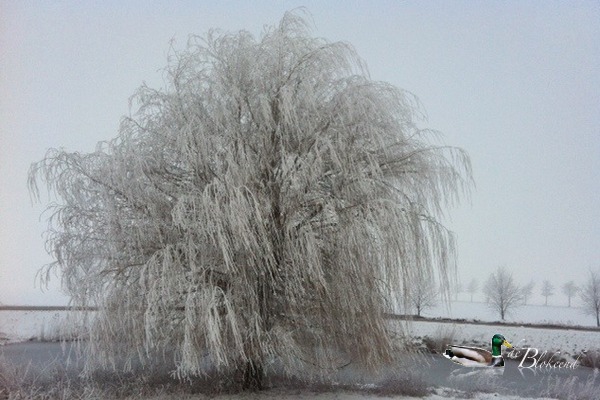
(268,203)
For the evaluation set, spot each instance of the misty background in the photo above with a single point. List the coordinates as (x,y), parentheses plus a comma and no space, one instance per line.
(517,85)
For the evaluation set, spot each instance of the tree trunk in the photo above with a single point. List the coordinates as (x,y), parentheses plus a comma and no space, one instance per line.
(254,373)
(253,376)
(254,370)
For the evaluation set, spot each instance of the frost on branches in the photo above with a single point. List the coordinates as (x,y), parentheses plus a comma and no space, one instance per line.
(271,202)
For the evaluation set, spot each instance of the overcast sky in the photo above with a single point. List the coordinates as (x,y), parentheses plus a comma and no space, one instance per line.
(516,84)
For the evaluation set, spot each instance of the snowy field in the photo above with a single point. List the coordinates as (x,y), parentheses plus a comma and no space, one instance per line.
(527,314)
(22,326)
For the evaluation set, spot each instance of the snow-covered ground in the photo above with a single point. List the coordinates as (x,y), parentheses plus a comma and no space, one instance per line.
(569,343)
(439,395)
(18,326)
(527,314)
(21,326)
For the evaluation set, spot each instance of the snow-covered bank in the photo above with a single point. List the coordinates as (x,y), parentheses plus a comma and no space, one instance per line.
(569,343)
(293,395)
(431,376)
(439,377)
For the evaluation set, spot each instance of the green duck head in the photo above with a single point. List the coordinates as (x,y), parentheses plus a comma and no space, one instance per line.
(497,342)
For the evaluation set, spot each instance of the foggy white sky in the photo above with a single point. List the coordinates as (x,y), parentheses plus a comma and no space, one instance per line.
(516,84)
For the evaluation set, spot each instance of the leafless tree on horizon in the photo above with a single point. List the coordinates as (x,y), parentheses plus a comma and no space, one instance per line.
(502,292)
(472,287)
(570,289)
(547,290)
(589,292)
(423,294)
(526,292)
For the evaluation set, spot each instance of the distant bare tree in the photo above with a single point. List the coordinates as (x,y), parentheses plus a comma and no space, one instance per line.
(472,287)
(526,292)
(547,290)
(269,202)
(457,289)
(590,295)
(502,291)
(423,294)
(570,289)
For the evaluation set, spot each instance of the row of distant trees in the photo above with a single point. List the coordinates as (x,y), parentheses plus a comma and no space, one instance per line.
(570,289)
(503,293)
